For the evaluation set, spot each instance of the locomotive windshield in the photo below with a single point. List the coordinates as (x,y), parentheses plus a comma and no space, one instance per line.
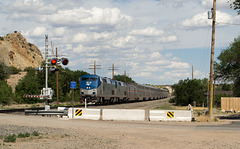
(93,79)
(89,82)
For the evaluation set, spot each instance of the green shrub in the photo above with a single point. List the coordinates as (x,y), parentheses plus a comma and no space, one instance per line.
(14,70)
(22,135)
(172,100)
(35,133)
(10,138)
(6,94)
(218,99)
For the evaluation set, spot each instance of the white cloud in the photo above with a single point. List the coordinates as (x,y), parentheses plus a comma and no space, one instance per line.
(79,49)
(156,55)
(28,9)
(220,3)
(201,20)
(124,41)
(81,16)
(178,65)
(166,39)
(175,74)
(158,62)
(80,37)
(142,74)
(39,31)
(59,31)
(150,31)
(151,69)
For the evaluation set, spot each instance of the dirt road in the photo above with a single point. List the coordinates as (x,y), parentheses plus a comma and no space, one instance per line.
(74,134)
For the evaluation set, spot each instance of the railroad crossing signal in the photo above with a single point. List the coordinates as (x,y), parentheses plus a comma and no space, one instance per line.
(64,61)
(55,61)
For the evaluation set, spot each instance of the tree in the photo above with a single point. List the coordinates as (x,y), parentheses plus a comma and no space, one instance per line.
(122,78)
(187,91)
(226,87)
(30,84)
(34,81)
(227,68)
(4,71)
(235,4)
(6,94)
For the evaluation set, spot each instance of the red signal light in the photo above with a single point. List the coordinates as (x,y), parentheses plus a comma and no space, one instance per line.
(54,61)
(64,61)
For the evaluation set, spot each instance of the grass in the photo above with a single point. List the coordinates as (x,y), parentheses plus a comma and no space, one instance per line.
(28,137)
(13,137)
(166,106)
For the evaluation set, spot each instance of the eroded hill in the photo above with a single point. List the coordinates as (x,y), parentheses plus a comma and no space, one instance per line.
(17,52)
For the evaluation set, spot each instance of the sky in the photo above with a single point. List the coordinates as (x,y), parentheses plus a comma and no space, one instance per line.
(155,41)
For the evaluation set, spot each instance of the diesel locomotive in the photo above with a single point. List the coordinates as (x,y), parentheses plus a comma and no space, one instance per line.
(102,90)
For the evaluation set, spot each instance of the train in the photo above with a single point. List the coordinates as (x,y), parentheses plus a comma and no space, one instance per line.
(103,90)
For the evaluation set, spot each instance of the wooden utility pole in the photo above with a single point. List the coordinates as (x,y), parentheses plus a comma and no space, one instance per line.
(212,58)
(192,72)
(112,68)
(94,67)
(125,77)
(57,77)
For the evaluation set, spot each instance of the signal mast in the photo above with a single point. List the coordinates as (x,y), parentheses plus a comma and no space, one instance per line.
(47,93)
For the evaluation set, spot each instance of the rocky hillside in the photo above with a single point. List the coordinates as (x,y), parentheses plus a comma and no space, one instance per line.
(17,52)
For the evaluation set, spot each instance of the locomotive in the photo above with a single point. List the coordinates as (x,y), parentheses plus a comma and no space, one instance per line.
(102,90)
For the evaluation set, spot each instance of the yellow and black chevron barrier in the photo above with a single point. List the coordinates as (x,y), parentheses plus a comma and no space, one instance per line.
(78,112)
(170,114)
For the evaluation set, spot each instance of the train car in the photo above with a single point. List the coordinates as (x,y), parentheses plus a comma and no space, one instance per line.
(98,89)
(138,92)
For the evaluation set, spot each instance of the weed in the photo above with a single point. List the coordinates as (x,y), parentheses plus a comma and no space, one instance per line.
(166,107)
(35,133)
(40,137)
(33,106)
(65,135)
(10,138)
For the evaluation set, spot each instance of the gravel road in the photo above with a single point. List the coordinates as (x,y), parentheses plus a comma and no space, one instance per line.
(63,133)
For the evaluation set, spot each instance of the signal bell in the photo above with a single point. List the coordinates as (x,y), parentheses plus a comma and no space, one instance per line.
(64,61)
(54,61)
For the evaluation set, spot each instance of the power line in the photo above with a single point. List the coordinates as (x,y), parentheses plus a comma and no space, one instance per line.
(227,23)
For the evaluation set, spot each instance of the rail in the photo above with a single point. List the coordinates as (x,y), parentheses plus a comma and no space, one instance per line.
(43,112)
